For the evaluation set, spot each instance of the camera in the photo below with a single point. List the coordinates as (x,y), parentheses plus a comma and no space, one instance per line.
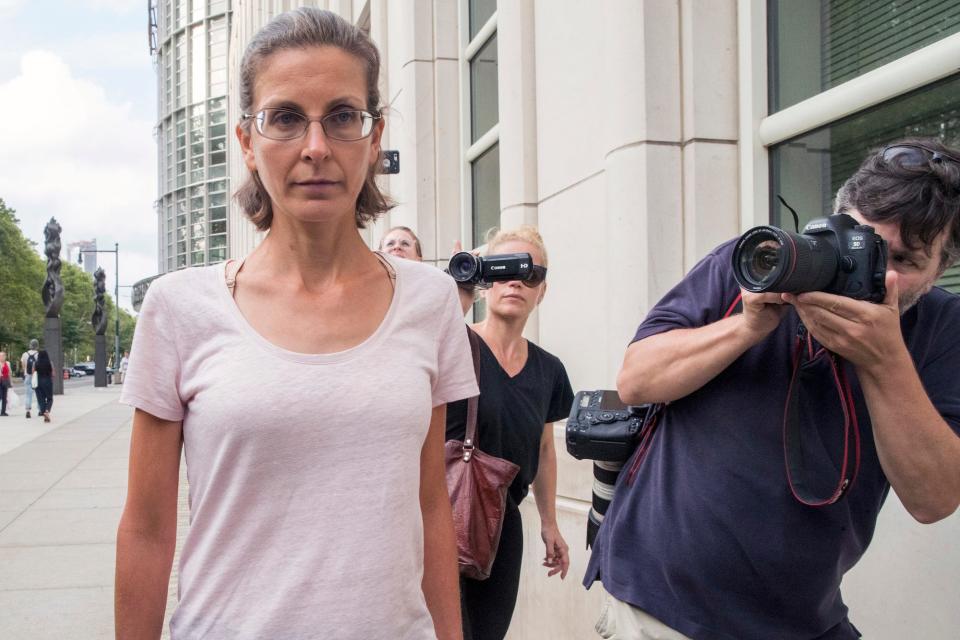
(835,254)
(602,427)
(467,268)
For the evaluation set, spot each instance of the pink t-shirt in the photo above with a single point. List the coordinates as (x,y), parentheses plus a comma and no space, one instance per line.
(304,469)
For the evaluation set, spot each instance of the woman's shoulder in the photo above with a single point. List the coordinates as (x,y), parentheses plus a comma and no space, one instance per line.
(187,286)
(548,359)
(421,278)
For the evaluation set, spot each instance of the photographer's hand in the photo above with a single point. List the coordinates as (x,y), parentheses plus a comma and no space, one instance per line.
(762,312)
(919,452)
(863,333)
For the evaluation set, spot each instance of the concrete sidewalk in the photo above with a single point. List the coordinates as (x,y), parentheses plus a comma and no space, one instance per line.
(62,490)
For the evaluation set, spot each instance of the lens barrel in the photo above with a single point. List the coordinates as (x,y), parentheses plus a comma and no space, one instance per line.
(770,259)
(464,267)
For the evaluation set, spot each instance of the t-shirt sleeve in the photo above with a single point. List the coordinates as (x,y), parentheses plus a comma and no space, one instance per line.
(561,400)
(939,372)
(702,297)
(455,379)
(153,373)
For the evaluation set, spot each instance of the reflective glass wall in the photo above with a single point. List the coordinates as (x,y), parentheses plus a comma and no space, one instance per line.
(191,132)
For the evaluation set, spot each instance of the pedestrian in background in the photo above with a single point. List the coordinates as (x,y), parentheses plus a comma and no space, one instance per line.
(28,363)
(402,242)
(5,384)
(44,388)
(323,512)
(523,391)
(124,363)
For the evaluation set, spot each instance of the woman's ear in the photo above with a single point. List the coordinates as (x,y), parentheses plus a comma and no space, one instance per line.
(246,148)
(543,292)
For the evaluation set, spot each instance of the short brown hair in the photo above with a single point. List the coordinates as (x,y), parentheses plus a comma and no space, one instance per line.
(299,29)
(924,199)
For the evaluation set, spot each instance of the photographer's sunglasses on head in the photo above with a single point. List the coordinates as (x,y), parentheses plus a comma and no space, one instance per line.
(910,154)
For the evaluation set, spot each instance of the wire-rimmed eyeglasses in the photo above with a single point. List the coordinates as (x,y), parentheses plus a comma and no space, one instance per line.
(912,154)
(346,125)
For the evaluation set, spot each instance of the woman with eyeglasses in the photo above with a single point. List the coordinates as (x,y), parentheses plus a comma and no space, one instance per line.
(402,242)
(307,384)
(523,391)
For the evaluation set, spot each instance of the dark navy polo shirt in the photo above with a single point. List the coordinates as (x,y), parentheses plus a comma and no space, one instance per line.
(708,538)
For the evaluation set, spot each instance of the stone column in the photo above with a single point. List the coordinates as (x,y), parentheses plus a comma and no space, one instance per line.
(52,294)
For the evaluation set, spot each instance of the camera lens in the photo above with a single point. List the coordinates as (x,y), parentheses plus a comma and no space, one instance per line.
(770,259)
(464,267)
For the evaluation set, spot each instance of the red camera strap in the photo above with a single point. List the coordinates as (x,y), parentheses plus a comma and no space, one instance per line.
(793,452)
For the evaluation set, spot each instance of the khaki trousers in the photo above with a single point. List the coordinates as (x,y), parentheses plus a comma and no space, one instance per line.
(622,621)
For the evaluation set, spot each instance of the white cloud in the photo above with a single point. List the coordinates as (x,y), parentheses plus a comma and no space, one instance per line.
(103,51)
(117,6)
(71,153)
(9,8)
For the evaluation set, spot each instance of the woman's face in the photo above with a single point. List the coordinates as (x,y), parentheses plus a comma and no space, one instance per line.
(312,178)
(513,299)
(401,244)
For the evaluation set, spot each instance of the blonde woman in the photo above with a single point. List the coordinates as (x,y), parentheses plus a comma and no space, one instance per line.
(523,390)
(402,242)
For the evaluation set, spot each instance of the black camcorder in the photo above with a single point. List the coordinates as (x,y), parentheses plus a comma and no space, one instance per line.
(835,254)
(469,269)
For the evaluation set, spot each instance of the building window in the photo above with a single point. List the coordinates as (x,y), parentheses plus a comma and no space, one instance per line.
(484,98)
(818,45)
(822,45)
(480,13)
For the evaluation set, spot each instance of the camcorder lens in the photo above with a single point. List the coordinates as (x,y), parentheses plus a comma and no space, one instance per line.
(464,267)
(763,261)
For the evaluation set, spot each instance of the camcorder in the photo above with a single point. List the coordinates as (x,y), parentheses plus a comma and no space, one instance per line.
(835,254)
(468,269)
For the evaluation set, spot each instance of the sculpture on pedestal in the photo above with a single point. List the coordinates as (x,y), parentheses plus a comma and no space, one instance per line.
(53,287)
(99,319)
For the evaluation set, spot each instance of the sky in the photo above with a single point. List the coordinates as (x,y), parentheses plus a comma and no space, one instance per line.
(77,111)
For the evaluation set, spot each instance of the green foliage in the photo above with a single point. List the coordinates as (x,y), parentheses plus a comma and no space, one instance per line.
(22,273)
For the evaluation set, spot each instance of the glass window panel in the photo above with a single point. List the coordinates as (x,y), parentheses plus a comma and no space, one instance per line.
(217,172)
(181,261)
(217,104)
(217,129)
(480,12)
(219,226)
(808,170)
(484,103)
(218,199)
(218,185)
(196,258)
(218,213)
(218,255)
(485,172)
(198,10)
(182,246)
(218,241)
(197,230)
(818,45)
(198,53)
(218,157)
(196,203)
(217,6)
(198,244)
(219,144)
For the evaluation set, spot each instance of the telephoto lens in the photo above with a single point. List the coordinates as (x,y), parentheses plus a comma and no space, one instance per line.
(770,259)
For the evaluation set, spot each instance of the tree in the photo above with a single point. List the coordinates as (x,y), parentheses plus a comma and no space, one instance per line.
(22,273)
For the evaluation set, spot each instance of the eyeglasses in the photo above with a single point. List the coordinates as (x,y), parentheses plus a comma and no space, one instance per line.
(285,124)
(912,154)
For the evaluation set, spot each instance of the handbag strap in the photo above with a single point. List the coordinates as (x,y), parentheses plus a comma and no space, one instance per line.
(470,440)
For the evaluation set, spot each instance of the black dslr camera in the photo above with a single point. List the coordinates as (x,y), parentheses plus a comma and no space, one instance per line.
(469,269)
(602,427)
(835,254)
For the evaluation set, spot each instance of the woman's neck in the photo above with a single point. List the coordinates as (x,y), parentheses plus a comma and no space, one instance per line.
(503,335)
(312,255)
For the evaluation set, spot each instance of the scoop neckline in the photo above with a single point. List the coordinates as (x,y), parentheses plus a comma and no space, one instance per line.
(223,292)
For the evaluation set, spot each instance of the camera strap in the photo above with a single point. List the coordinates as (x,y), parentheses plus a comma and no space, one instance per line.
(794,456)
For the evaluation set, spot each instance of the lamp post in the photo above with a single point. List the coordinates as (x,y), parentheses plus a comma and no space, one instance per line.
(116,296)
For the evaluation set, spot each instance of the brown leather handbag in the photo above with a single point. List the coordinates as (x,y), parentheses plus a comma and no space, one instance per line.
(477,483)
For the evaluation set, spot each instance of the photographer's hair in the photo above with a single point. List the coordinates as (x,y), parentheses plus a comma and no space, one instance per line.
(300,29)
(524,233)
(416,240)
(923,199)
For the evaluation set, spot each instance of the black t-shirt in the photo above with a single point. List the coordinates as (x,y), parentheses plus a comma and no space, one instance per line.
(512,412)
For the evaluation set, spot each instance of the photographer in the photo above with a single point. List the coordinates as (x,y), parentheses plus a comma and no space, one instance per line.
(708,539)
